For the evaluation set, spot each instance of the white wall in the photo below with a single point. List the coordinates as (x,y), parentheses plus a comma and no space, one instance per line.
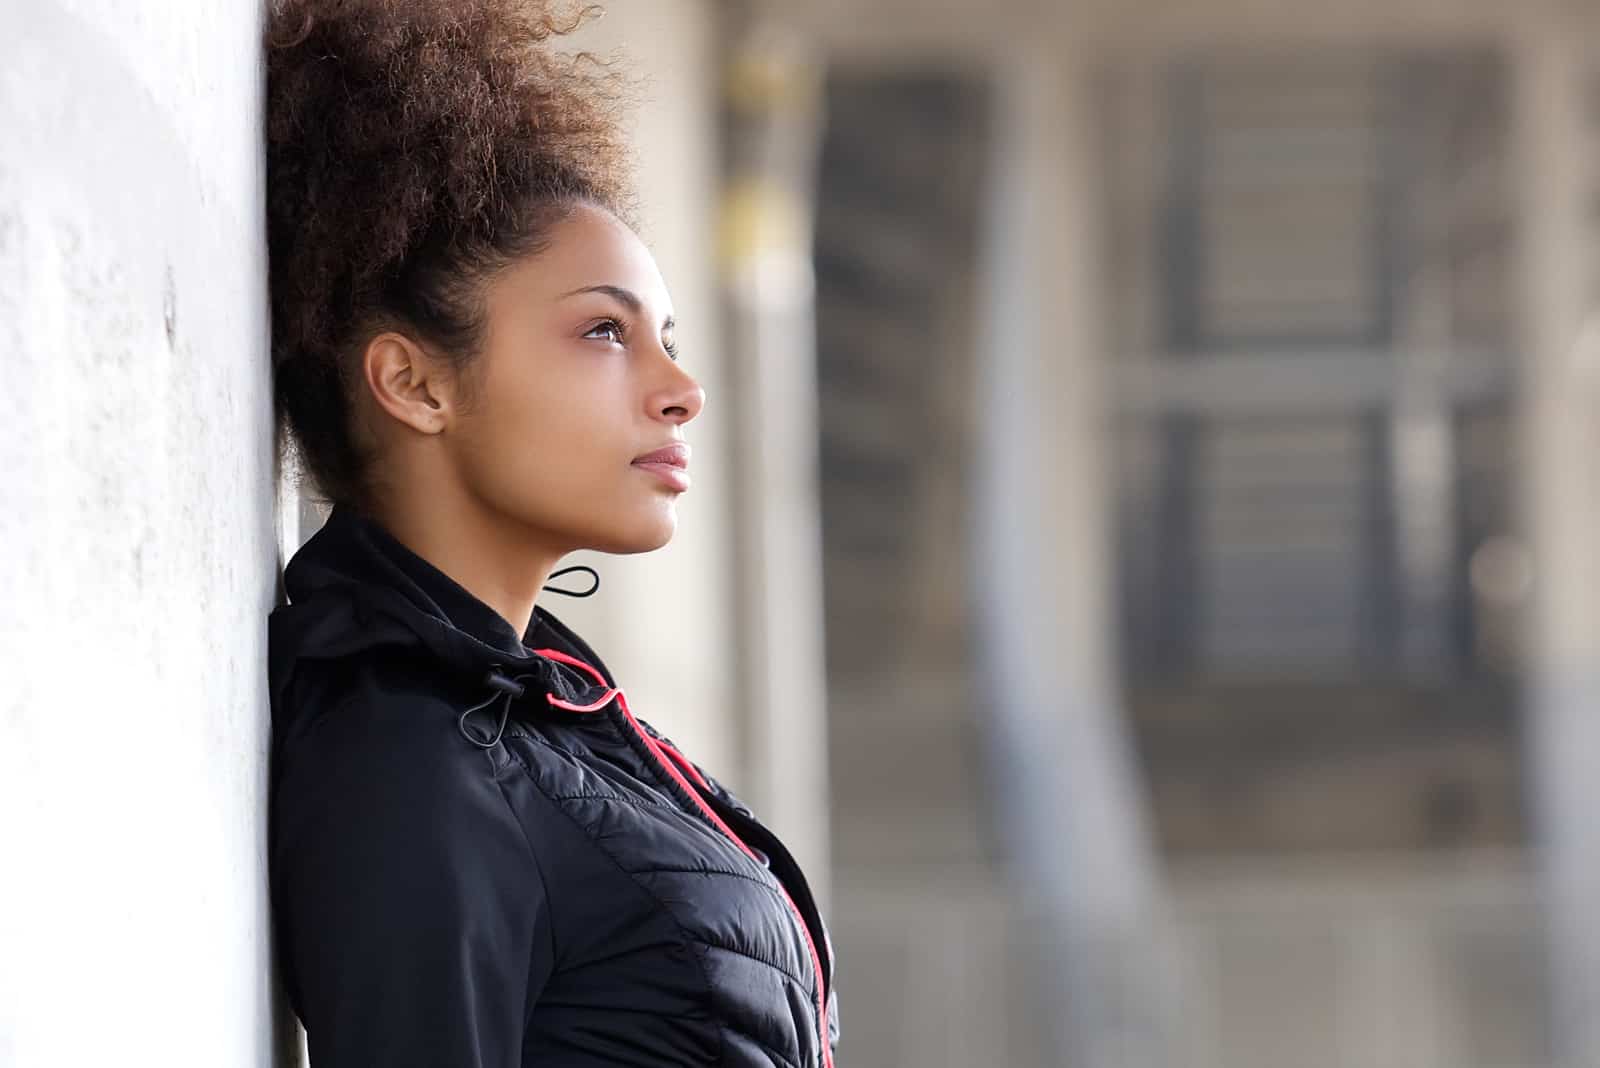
(137,536)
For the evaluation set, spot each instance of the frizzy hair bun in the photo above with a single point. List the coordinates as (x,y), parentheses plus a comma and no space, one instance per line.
(413,148)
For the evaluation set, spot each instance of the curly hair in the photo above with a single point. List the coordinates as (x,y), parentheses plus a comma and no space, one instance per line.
(414,147)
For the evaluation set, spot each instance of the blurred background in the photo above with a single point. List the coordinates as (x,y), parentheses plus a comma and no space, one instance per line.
(1145,552)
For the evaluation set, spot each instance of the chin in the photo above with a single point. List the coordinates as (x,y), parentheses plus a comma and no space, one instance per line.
(645,536)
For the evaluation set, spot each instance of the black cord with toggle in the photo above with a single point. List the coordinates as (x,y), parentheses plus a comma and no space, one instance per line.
(506,690)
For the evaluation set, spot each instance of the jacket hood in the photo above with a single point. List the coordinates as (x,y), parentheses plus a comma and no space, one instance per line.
(354,589)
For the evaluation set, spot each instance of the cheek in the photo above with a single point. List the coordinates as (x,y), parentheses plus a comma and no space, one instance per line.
(547,437)
(543,444)
(552,448)
(558,404)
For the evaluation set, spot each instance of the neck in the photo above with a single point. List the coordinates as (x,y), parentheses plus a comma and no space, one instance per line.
(496,560)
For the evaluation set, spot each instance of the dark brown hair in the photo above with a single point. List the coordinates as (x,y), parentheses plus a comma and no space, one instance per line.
(414,147)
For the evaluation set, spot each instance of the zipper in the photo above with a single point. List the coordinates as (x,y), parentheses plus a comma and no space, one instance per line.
(666,763)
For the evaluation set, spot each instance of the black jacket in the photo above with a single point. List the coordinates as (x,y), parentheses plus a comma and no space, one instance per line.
(481,859)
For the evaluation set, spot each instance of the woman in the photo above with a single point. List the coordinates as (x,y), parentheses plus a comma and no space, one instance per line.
(479,855)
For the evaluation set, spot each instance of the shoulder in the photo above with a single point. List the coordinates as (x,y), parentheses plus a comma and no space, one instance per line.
(383,756)
(382,707)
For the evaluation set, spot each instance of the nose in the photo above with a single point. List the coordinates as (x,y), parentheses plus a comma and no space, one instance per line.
(678,399)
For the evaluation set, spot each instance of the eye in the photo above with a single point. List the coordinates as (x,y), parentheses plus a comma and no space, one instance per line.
(670,345)
(607,326)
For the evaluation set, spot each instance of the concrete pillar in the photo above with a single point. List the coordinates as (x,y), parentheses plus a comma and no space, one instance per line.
(1043,568)
(137,529)
(771,102)
(1560,420)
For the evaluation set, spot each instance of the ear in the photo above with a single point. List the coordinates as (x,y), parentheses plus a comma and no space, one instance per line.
(407,383)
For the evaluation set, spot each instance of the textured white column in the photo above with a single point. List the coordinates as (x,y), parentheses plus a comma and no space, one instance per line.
(137,535)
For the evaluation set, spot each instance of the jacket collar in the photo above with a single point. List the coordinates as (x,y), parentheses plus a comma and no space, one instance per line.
(353,588)
(432,590)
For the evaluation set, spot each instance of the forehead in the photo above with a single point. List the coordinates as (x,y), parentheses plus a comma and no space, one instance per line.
(592,247)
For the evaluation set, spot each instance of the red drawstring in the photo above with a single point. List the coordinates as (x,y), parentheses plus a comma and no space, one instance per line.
(572,661)
(570,707)
(685,763)
(600,680)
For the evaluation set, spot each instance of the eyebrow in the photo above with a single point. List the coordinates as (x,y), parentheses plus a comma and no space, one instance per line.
(627,297)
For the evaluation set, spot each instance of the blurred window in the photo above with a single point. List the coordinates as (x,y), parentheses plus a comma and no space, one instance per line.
(1283,180)
(1310,258)
(1293,472)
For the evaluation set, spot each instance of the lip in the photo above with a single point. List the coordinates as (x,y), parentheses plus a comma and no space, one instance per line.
(670,464)
(674,455)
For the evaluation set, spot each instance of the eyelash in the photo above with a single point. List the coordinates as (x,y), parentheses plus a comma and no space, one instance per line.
(621,332)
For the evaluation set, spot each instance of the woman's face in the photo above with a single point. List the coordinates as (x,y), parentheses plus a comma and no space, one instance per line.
(576,388)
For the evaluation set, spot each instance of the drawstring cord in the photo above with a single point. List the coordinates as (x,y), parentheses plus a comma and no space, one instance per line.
(594,586)
(506,690)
